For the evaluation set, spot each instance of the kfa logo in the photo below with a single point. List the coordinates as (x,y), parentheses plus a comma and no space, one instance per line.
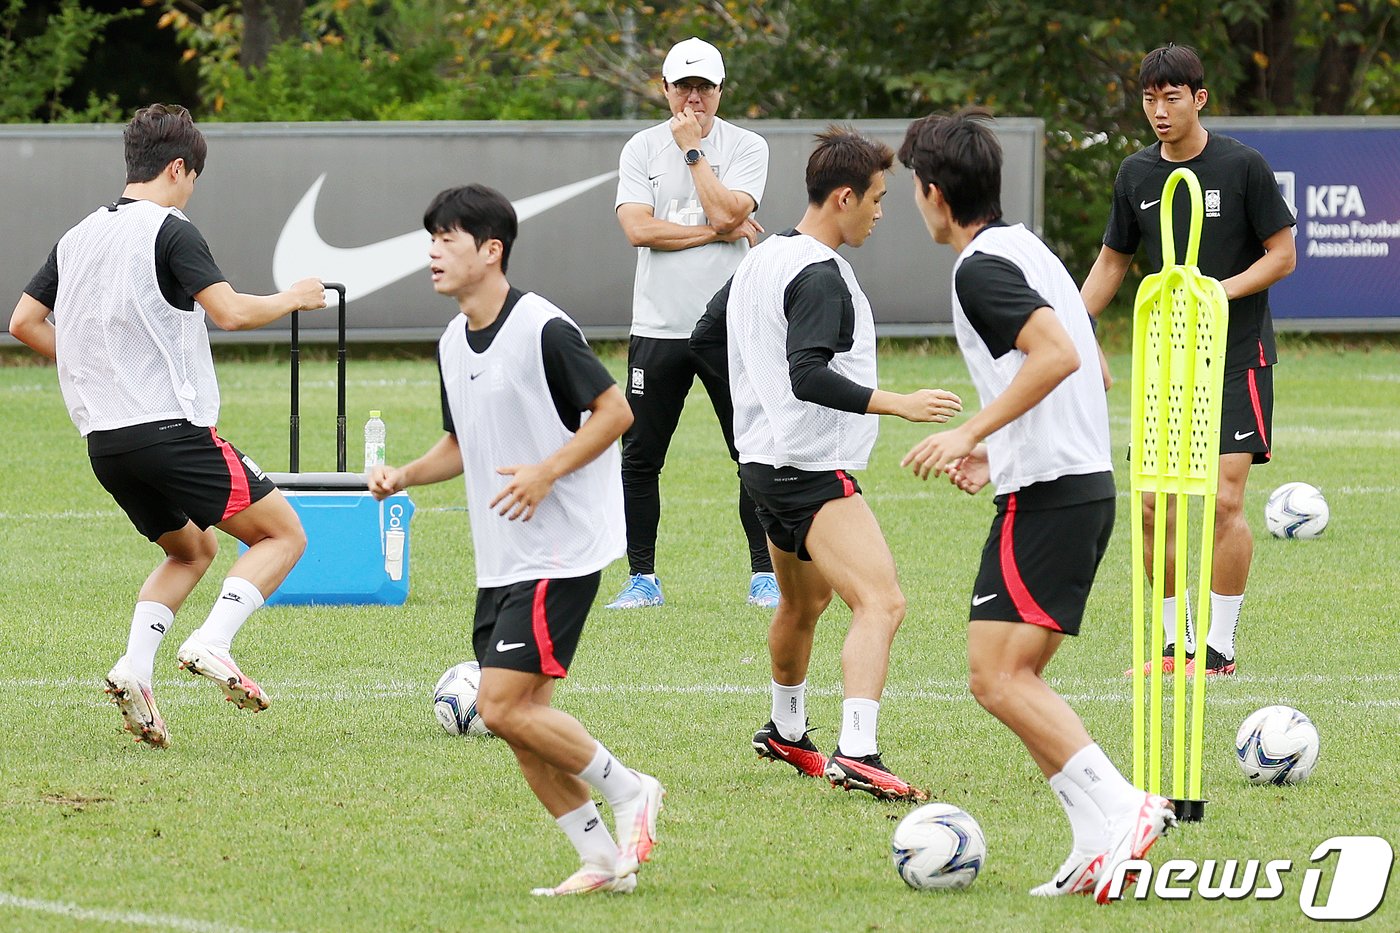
(1335,201)
(639,379)
(1212,202)
(1358,882)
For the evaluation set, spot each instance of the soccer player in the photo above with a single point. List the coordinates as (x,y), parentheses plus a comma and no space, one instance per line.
(1246,243)
(138,379)
(1041,437)
(532,419)
(801,347)
(686,193)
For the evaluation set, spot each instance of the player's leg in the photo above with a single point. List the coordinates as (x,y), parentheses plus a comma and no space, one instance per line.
(763,584)
(1169,610)
(847,546)
(525,636)
(659,375)
(806,594)
(223,487)
(134,481)
(1245,438)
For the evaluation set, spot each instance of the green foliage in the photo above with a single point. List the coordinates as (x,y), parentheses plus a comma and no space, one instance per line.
(39,59)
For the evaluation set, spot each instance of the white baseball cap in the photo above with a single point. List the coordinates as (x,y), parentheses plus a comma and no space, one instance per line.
(693,58)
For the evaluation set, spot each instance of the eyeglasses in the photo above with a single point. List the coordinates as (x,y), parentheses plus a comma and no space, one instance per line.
(686,88)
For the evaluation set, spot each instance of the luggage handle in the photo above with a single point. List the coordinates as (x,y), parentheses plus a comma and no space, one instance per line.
(295,444)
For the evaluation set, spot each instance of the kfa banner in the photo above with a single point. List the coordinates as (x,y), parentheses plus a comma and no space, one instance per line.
(1341,177)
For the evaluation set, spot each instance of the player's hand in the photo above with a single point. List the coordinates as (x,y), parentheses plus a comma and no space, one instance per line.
(685,130)
(972,472)
(938,452)
(309,294)
(930,405)
(748,230)
(384,481)
(1103,367)
(528,486)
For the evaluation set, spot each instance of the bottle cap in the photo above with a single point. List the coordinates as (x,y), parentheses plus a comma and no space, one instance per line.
(374,414)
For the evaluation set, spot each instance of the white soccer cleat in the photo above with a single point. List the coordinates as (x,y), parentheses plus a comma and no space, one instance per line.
(198,658)
(636,825)
(1076,876)
(590,879)
(137,706)
(1131,836)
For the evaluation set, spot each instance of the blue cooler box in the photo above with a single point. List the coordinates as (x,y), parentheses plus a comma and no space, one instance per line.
(357,548)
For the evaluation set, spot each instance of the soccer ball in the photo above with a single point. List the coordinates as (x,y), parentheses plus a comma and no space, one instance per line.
(1277,745)
(1296,510)
(938,846)
(454,700)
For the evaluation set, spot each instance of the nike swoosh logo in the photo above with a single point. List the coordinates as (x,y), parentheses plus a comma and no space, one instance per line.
(691,61)
(502,646)
(1240,437)
(364,270)
(474,375)
(1144,205)
(979,600)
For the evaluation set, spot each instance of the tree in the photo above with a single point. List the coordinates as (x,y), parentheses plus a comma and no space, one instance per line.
(41,53)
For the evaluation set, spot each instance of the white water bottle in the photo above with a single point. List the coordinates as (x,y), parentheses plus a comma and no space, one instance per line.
(374,441)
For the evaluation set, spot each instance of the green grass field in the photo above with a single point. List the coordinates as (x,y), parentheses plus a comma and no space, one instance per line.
(346,808)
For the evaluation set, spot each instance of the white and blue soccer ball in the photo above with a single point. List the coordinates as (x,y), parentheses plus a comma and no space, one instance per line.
(1277,745)
(1296,510)
(938,847)
(454,700)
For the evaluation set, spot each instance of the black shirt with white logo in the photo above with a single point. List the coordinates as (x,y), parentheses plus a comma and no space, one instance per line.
(1243,208)
(575,375)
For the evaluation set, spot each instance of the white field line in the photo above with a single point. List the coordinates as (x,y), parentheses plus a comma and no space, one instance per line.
(1114,690)
(73,911)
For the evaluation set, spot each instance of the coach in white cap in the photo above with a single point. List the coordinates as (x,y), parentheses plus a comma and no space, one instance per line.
(687,190)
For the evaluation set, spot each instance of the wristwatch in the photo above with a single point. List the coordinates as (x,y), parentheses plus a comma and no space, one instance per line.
(693,155)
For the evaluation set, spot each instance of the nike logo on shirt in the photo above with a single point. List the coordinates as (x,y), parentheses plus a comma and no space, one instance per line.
(502,646)
(979,600)
(1144,205)
(1240,437)
(364,270)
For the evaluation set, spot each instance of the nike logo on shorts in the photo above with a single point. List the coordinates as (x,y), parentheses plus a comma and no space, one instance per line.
(502,646)
(1144,205)
(1241,436)
(979,600)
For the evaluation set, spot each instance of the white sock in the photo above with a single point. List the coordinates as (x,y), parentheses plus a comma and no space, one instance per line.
(1086,820)
(1224,619)
(149,623)
(238,600)
(589,834)
(859,720)
(790,710)
(1169,622)
(1092,772)
(609,777)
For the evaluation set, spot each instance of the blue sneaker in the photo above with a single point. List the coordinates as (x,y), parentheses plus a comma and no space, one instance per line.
(763,591)
(641,591)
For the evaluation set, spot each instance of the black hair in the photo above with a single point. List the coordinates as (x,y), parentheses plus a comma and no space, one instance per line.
(158,135)
(961,155)
(844,159)
(482,212)
(1172,65)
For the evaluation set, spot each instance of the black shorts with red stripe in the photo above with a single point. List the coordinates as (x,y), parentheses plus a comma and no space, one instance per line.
(177,473)
(535,625)
(1042,553)
(1247,413)
(786,500)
